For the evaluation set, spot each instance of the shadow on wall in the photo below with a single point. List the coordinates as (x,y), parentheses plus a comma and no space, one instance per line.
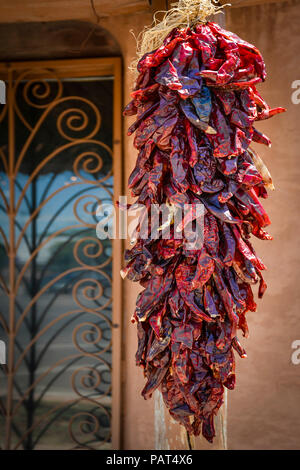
(56,40)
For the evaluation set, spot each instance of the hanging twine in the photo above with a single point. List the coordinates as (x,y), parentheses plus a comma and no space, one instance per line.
(182,14)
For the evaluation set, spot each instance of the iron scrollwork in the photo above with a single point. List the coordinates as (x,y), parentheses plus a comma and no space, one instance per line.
(55,168)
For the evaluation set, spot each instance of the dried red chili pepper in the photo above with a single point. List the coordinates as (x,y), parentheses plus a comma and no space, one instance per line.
(196,103)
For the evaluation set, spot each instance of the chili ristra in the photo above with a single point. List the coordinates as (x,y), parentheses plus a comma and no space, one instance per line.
(196,104)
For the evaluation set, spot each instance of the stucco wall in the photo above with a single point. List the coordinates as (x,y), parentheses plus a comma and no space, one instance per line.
(264,411)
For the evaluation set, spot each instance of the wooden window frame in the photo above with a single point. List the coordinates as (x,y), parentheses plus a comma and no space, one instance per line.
(96,67)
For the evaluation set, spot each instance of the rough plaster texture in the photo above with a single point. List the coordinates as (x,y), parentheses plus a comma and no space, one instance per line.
(263,410)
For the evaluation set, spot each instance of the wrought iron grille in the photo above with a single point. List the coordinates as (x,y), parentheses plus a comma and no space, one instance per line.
(56,166)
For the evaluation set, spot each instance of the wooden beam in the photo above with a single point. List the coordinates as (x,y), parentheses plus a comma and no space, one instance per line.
(59,10)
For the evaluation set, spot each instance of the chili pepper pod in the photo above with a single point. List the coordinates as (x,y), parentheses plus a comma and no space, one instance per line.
(196,105)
